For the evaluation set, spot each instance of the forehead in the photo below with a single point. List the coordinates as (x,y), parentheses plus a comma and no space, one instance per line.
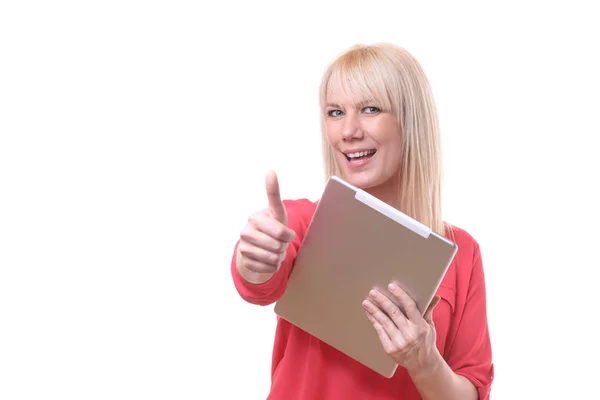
(342,92)
(354,87)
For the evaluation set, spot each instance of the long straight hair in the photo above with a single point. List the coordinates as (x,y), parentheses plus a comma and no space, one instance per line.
(391,76)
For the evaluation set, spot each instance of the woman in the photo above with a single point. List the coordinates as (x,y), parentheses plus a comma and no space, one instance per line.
(380,133)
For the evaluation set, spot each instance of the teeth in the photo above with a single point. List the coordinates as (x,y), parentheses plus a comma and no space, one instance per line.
(360,153)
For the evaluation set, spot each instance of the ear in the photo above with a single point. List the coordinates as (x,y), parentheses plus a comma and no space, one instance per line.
(428,316)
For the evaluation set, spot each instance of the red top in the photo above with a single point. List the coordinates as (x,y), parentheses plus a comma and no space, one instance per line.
(303,367)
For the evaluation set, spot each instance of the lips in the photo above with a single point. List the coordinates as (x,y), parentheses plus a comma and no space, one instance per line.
(357,155)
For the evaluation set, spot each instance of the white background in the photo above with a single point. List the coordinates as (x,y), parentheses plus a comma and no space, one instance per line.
(134,141)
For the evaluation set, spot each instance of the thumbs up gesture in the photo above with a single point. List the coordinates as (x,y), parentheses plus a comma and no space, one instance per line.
(265,238)
(276,207)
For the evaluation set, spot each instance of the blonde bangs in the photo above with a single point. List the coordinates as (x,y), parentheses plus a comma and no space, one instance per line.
(359,74)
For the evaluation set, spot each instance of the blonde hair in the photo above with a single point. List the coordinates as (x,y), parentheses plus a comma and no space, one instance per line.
(392,77)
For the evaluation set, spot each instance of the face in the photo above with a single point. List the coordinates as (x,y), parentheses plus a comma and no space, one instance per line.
(366,141)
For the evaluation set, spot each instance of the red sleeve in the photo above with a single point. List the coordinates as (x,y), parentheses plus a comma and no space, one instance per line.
(270,291)
(471,352)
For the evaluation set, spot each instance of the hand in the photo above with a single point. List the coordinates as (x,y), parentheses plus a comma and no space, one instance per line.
(407,337)
(265,238)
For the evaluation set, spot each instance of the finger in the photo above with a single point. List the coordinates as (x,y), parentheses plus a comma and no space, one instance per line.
(392,310)
(259,267)
(406,302)
(384,338)
(272,227)
(261,255)
(428,316)
(276,206)
(386,323)
(257,238)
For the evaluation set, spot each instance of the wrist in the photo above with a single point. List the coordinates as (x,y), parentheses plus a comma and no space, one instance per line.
(429,367)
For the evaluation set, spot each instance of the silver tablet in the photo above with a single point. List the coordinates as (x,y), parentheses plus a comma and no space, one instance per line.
(356,242)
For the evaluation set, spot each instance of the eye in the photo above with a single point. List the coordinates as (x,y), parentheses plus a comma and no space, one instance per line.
(371,110)
(334,113)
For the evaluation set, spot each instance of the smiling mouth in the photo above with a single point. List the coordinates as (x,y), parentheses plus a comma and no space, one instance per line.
(360,155)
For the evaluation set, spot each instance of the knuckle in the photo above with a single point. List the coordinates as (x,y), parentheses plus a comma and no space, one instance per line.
(411,341)
(396,313)
(272,245)
(256,267)
(245,249)
(279,232)
(251,266)
(289,233)
(388,324)
(399,347)
(273,258)
(281,246)
(246,231)
(254,217)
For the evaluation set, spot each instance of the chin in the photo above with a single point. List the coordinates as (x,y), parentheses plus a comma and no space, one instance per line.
(363,180)
(371,180)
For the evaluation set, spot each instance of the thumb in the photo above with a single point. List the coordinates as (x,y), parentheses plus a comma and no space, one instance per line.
(428,316)
(276,206)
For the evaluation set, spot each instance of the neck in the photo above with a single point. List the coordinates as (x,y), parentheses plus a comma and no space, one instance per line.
(387,192)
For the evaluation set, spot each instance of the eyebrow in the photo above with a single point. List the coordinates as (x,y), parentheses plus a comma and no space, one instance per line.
(364,103)
(360,104)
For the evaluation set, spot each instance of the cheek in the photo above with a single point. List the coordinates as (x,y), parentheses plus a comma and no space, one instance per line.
(331,133)
(393,147)
(384,130)
(395,152)
(330,138)
(334,140)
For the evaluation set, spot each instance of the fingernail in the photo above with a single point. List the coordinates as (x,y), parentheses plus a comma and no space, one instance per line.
(392,286)
(373,293)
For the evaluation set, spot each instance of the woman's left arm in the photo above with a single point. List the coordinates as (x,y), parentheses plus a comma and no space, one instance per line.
(440,382)
(410,339)
(467,371)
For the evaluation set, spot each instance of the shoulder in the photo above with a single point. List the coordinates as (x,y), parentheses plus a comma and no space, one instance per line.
(463,239)
(468,255)
(466,270)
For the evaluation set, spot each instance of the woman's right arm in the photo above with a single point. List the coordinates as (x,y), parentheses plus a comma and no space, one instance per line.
(263,288)
(265,253)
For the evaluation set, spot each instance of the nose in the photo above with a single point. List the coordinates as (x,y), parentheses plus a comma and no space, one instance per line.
(351,128)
